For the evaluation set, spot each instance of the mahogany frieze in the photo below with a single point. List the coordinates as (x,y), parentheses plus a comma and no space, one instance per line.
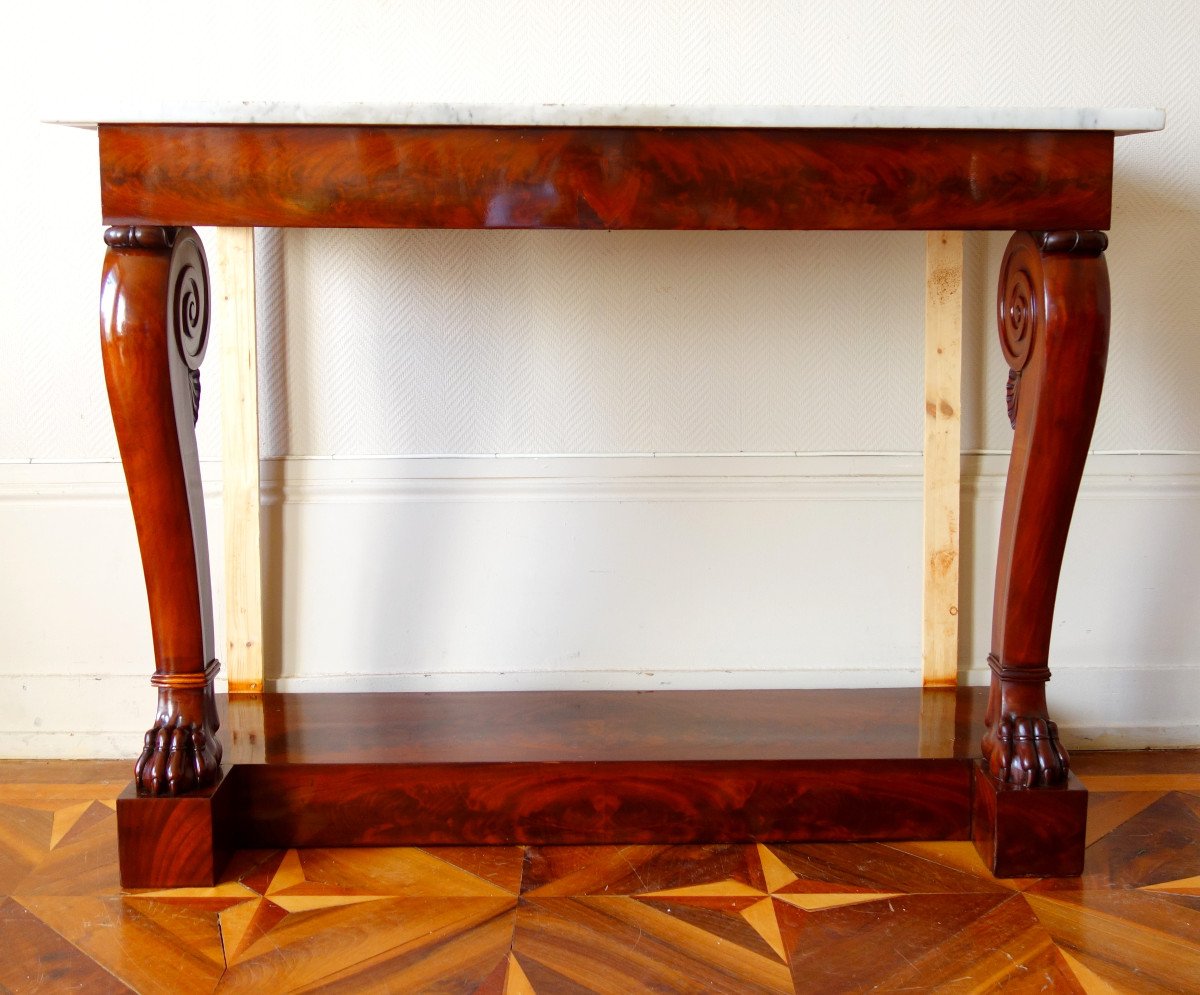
(319,176)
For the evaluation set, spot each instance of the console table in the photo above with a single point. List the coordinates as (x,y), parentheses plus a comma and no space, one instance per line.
(599,767)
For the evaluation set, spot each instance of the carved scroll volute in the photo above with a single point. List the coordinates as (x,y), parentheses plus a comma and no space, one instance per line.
(1021,313)
(1021,301)
(187,309)
(188,292)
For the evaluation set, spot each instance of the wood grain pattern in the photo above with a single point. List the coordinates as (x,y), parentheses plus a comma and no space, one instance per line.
(176,841)
(1130,941)
(1165,771)
(37,958)
(571,767)
(153,334)
(525,726)
(245,731)
(1029,832)
(942,456)
(942,715)
(603,178)
(238,341)
(1053,316)
(139,941)
(1151,852)
(480,773)
(1139,763)
(807,917)
(592,803)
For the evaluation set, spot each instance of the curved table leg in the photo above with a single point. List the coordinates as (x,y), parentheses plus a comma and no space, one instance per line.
(153,329)
(1054,317)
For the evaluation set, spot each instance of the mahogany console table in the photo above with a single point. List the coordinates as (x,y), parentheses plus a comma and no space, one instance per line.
(666,767)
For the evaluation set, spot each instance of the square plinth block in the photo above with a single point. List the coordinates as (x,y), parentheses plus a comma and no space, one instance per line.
(1029,832)
(174,842)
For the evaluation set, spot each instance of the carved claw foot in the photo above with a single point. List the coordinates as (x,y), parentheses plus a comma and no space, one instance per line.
(1024,750)
(181,751)
(176,759)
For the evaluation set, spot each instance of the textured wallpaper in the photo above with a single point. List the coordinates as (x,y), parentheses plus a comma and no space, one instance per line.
(495,342)
(591,342)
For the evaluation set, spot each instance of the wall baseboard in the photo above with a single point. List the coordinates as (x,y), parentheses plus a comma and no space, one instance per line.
(467,573)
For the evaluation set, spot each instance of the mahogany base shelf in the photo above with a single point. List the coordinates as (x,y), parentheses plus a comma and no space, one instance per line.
(602,768)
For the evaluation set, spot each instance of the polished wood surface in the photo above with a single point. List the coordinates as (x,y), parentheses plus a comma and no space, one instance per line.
(1053,314)
(153,335)
(175,840)
(564,802)
(620,919)
(1021,832)
(576,768)
(524,726)
(603,178)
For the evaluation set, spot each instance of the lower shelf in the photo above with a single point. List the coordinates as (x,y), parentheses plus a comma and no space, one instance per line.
(599,768)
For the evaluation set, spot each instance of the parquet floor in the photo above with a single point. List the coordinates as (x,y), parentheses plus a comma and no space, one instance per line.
(739,919)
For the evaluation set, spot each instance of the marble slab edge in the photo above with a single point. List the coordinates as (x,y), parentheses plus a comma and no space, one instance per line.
(1121,120)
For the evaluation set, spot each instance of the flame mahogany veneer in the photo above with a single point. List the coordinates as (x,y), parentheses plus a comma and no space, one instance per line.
(323,176)
(571,768)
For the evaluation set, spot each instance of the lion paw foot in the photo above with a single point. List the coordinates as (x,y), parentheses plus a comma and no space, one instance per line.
(1025,751)
(177,758)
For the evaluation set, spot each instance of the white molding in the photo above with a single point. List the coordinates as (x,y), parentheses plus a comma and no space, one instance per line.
(798,678)
(72,744)
(620,477)
(484,590)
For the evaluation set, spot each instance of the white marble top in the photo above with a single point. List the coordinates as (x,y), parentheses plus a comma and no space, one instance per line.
(1122,120)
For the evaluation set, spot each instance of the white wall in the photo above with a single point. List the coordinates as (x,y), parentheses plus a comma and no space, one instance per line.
(775,538)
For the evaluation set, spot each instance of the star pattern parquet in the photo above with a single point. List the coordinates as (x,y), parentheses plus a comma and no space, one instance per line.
(515,920)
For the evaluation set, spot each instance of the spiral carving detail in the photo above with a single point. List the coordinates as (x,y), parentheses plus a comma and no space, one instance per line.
(1019,312)
(1021,298)
(187,307)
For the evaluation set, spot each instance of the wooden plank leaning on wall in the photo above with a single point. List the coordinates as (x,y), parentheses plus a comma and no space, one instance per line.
(238,343)
(235,304)
(943,397)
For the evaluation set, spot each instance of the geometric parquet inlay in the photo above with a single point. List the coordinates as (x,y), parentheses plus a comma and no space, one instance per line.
(835,917)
